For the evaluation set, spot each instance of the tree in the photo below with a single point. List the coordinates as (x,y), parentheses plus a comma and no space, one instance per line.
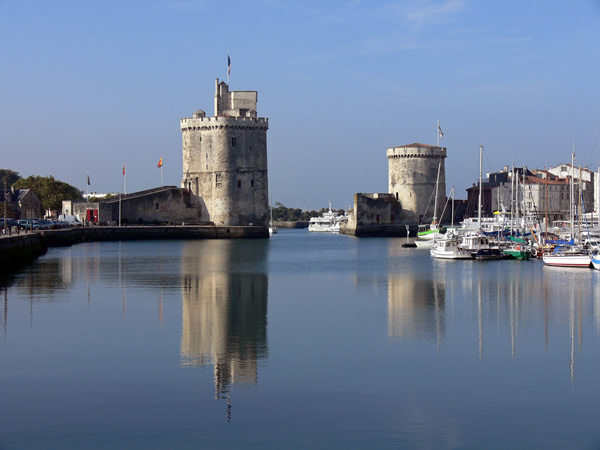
(10,176)
(50,191)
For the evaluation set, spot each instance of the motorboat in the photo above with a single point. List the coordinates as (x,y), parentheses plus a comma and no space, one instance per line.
(328,222)
(448,247)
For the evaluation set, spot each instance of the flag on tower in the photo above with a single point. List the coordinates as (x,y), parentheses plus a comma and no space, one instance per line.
(228,65)
(160,162)
(440,131)
(123,168)
(88,179)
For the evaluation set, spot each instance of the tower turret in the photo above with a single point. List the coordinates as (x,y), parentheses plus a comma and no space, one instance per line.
(225,159)
(413,172)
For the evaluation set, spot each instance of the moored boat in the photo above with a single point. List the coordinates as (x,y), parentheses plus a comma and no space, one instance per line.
(328,222)
(595,259)
(447,247)
(568,256)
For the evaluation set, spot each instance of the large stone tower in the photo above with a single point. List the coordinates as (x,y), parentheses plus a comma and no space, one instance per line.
(225,159)
(413,171)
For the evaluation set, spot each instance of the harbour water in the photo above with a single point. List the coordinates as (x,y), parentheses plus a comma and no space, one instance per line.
(304,340)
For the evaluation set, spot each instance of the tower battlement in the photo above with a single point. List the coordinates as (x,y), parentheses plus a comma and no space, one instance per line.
(213,123)
(416,151)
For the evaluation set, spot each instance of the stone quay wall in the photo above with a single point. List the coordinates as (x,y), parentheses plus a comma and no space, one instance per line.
(20,248)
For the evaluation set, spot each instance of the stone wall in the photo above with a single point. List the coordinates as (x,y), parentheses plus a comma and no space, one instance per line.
(375,215)
(167,204)
(413,172)
(225,161)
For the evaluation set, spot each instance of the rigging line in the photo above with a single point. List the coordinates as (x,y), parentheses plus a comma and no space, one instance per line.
(592,148)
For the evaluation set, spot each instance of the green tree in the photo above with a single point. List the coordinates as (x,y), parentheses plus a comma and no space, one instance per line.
(10,176)
(50,191)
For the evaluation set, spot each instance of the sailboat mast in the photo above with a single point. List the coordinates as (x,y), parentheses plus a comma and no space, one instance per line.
(480,186)
(512,200)
(571,194)
(435,202)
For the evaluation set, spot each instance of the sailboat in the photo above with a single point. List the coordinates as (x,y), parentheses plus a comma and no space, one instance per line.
(478,244)
(569,255)
(272,228)
(447,246)
(426,233)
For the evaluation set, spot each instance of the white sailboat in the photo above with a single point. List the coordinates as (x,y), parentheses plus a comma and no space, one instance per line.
(569,255)
(272,228)
(447,246)
(426,233)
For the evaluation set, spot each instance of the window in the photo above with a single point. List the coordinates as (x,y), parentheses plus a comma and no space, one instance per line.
(252,183)
(218,180)
(239,183)
(156,207)
(233,142)
(393,218)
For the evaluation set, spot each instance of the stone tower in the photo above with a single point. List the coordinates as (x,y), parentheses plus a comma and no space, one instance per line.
(413,171)
(225,159)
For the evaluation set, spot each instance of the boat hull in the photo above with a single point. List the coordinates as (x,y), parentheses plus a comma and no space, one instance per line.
(583,261)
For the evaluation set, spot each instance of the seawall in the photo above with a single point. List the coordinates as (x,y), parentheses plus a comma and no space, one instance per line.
(290,224)
(58,238)
(20,248)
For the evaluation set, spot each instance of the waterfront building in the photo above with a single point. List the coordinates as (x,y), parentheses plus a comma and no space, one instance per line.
(225,159)
(20,204)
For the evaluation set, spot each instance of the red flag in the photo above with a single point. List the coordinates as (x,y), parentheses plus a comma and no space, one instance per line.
(160,162)
(123,168)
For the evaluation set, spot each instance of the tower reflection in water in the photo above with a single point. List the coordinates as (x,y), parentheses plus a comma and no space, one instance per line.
(224,311)
(416,301)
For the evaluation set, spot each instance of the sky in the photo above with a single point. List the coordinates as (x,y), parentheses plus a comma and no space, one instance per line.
(89,85)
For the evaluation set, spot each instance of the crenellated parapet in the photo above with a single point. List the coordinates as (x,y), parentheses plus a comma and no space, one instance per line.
(416,151)
(223,122)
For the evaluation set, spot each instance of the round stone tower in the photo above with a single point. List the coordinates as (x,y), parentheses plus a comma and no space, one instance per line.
(225,159)
(413,173)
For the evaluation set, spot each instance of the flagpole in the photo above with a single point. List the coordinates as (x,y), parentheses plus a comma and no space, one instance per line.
(124,177)
(88,185)
(161,166)
(438,133)
(228,67)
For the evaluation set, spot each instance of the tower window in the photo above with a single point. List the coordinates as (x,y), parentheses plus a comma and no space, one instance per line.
(157,206)
(239,183)
(252,183)
(233,142)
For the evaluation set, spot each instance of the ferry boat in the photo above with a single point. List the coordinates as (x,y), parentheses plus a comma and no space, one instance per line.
(328,222)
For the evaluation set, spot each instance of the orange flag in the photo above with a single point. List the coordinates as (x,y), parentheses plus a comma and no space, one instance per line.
(160,162)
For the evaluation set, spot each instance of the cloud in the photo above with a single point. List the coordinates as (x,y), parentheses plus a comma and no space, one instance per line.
(422,12)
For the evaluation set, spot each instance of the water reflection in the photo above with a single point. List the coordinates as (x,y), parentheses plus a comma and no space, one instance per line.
(224,313)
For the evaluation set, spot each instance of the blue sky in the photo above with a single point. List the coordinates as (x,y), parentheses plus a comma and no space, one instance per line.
(90,84)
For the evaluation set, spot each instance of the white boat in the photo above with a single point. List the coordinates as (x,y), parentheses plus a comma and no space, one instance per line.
(595,259)
(448,247)
(328,222)
(568,256)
